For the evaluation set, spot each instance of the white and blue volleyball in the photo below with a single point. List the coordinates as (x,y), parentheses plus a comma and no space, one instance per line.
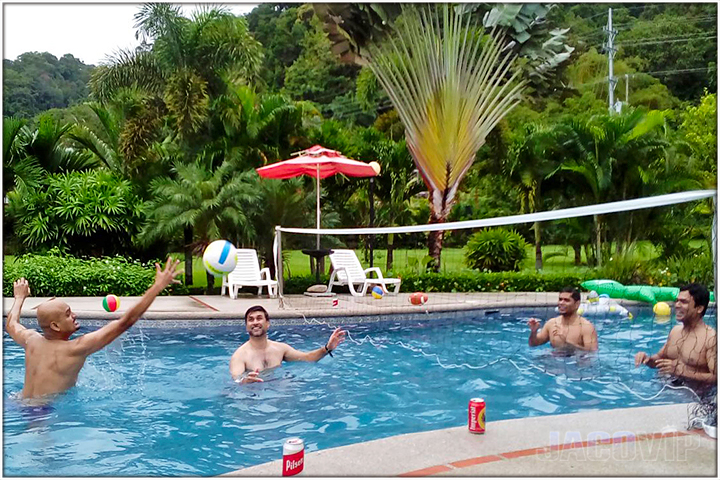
(220,258)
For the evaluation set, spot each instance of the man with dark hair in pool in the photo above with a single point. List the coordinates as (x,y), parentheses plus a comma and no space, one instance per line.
(259,353)
(690,351)
(567,331)
(52,360)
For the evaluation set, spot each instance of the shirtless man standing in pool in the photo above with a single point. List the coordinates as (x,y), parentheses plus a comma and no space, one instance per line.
(259,353)
(567,331)
(52,360)
(690,351)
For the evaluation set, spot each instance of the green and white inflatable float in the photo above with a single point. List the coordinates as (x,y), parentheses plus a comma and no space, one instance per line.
(643,293)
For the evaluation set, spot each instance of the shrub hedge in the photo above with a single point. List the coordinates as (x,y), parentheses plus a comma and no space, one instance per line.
(68,276)
(490,282)
(60,275)
(463,282)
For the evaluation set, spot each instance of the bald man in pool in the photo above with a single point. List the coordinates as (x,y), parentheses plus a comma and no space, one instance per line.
(259,353)
(52,360)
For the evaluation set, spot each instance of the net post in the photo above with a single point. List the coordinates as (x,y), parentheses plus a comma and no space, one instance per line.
(279,270)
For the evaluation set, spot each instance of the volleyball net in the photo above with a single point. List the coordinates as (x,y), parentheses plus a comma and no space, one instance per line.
(471,311)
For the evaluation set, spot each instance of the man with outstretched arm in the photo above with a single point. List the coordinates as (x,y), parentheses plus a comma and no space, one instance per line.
(567,331)
(52,360)
(259,353)
(690,351)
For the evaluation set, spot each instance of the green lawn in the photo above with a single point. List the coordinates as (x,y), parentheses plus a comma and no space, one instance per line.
(560,258)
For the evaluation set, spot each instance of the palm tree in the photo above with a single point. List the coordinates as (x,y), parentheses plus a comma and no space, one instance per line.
(107,148)
(450,85)
(533,158)
(396,188)
(283,202)
(606,154)
(185,64)
(213,203)
(259,129)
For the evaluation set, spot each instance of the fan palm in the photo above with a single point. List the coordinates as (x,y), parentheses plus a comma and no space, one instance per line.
(450,85)
(30,154)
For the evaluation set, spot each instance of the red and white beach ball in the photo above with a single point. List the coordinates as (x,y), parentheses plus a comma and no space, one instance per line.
(111,303)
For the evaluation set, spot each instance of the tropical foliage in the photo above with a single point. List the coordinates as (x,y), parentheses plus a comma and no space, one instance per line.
(92,213)
(473,111)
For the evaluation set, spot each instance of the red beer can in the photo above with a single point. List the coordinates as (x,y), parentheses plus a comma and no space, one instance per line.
(293,457)
(476,415)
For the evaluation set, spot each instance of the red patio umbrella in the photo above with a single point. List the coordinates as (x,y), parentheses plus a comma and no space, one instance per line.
(319,162)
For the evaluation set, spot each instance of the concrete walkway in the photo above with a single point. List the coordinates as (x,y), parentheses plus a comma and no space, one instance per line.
(626,442)
(294,306)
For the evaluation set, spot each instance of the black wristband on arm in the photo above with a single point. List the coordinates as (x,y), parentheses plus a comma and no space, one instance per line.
(328,350)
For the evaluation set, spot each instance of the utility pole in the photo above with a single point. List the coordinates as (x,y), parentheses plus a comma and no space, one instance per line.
(612,81)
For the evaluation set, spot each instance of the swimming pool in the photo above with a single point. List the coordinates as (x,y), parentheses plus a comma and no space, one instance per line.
(160,402)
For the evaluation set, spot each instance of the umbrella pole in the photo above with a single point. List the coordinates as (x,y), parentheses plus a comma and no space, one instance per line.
(317,191)
(317,238)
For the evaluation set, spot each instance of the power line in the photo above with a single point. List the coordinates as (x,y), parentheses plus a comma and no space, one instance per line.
(669,21)
(667,37)
(673,72)
(604,12)
(667,41)
(657,72)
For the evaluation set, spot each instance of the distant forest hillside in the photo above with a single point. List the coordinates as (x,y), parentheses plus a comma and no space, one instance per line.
(36,82)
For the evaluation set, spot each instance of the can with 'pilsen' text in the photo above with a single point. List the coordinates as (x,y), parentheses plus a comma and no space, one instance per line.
(476,415)
(293,457)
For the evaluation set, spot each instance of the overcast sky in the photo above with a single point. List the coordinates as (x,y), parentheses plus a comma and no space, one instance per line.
(88,31)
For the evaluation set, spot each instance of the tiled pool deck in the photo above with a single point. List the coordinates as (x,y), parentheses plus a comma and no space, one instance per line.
(648,441)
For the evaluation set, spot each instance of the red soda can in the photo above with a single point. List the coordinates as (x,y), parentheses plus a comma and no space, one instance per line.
(293,457)
(335,302)
(476,415)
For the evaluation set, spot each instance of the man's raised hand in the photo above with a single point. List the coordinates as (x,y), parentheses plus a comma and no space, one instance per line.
(167,276)
(21,289)
(336,338)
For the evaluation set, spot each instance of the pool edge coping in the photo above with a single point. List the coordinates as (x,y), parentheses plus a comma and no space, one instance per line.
(430,452)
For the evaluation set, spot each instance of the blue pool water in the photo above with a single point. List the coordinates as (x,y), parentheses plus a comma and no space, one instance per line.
(161,402)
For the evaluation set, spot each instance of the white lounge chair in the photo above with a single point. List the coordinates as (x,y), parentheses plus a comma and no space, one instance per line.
(347,270)
(247,273)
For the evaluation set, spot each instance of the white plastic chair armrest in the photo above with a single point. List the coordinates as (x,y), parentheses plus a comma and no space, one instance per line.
(266,273)
(376,270)
(339,280)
